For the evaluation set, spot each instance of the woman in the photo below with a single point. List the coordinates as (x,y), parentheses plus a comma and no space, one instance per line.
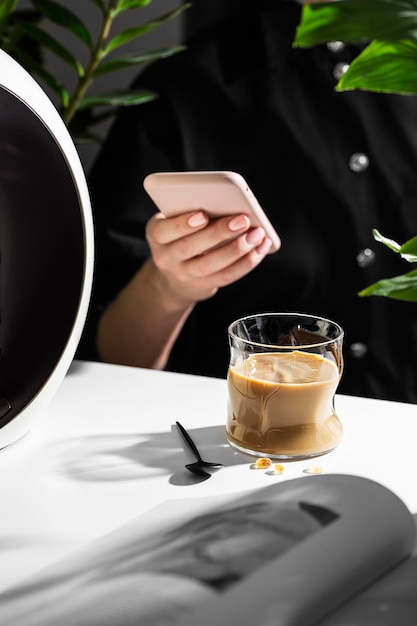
(326,167)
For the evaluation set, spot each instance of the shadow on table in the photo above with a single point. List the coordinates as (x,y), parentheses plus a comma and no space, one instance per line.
(132,457)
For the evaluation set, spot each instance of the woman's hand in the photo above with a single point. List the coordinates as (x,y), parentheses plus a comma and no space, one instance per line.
(194,257)
(191,259)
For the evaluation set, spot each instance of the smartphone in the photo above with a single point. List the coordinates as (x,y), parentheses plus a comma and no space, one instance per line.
(217,193)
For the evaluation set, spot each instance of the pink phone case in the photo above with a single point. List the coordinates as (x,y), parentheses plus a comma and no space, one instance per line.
(218,193)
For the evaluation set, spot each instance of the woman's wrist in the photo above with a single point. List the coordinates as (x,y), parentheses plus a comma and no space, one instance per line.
(155,281)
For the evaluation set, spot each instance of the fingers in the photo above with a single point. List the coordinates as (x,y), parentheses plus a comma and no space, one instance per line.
(192,234)
(232,261)
(221,257)
(244,265)
(162,231)
(197,256)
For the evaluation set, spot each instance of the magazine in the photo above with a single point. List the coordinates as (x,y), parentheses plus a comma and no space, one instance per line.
(326,549)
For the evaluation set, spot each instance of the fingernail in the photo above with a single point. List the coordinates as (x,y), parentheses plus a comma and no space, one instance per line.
(197,219)
(255,236)
(264,247)
(238,222)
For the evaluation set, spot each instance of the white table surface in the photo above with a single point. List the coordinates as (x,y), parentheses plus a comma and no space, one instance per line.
(106,449)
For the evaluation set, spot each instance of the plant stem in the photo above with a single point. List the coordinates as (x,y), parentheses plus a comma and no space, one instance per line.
(96,56)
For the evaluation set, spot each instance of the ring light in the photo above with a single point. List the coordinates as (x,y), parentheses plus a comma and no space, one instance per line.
(46,250)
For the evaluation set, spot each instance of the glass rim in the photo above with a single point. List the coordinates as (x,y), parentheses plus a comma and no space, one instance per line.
(307,316)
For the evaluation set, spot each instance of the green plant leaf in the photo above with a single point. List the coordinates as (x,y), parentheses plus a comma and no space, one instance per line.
(398,288)
(65,18)
(390,243)
(13,38)
(54,84)
(137,58)
(7,7)
(126,36)
(357,21)
(118,98)
(125,5)
(407,250)
(49,42)
(137,31)
(389,67)
(34,67)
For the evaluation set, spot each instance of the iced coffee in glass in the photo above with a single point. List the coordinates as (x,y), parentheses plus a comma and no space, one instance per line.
(282,379)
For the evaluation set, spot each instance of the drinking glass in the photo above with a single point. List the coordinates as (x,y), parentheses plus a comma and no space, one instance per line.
(282,379)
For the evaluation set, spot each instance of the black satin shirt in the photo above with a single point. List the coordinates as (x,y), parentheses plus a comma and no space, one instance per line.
(327,168)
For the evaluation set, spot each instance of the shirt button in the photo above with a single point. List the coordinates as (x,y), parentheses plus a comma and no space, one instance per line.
(340,69)
(358,350)
(365,257)
(335,46)
(358,162)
